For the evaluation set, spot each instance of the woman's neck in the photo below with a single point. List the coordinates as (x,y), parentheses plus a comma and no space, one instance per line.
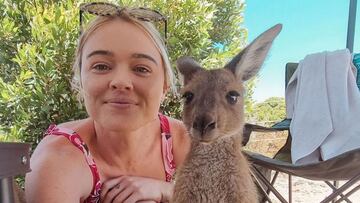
(125,148)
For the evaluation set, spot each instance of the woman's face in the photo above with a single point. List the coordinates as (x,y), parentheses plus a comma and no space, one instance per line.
(122,76)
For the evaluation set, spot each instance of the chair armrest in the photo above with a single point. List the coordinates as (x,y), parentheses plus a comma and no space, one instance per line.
(14,159)
(282,125)
(249,128)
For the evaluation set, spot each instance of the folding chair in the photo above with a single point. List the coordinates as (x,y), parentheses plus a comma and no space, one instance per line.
(342,167)
(14,160)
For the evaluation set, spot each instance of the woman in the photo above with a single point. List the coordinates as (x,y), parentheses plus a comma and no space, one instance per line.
(127,149)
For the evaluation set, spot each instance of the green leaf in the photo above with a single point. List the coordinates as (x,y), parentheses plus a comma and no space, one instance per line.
(39,40)
(5,96)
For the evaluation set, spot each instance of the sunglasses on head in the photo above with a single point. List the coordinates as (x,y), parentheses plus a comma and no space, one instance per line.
(109,9)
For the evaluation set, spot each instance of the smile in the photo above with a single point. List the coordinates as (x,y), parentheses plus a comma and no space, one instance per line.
(121,102)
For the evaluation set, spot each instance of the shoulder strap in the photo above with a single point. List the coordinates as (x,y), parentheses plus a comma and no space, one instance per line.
(167,151)
(76,140)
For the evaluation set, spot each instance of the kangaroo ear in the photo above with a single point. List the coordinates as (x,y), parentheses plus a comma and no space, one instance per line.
(249,61)
(187,66)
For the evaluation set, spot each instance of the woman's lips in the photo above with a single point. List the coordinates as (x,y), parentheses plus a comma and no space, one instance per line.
(121,102)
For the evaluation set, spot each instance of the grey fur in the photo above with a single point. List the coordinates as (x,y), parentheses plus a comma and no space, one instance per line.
(215,170)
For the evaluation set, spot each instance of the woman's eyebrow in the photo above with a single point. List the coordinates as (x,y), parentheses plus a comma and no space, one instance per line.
(137,55)
(100,52)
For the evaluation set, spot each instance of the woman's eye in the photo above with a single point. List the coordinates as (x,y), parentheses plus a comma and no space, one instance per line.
(232,97)
(101,67)
(142,69)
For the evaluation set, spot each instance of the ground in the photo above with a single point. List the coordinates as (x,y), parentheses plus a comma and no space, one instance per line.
(303,191)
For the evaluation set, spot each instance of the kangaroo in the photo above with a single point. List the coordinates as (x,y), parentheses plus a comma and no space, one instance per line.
(215,170)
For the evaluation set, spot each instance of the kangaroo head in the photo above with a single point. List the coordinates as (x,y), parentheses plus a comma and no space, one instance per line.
(213,99)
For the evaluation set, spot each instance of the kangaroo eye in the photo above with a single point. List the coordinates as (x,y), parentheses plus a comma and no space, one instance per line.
(232,97)
(188,96)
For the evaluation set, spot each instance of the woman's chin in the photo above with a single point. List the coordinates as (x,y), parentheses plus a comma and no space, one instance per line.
(123,123)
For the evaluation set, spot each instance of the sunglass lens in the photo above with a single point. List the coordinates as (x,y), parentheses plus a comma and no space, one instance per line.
(101,9)
(146,14)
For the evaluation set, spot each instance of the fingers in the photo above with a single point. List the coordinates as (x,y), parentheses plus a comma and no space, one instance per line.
(130,189)
(132,193)
(110,189)
(118,190)
(125,197)
(108,185)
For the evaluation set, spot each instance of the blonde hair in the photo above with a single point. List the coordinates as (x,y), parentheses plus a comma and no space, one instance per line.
(146,26)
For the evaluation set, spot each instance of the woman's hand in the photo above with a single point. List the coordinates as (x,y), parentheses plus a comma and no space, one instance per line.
(130,189)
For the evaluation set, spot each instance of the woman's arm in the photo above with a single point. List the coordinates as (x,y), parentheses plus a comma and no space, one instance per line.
(59,173)
(130,189)
(181,141)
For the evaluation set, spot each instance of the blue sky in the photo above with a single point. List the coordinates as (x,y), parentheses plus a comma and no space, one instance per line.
(309,26)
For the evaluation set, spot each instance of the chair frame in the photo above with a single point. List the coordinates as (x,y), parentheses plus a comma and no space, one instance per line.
(14,160)
(266,185)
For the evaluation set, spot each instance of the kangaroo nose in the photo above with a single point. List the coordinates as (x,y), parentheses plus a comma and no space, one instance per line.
(204,123)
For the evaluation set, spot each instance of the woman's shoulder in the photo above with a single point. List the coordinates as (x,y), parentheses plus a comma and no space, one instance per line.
(56,146)
(57,161)
(83,128)
(57,142)
(77,125)
(58,150)
(181,139)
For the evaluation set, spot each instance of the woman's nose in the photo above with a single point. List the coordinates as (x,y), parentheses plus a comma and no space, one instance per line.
(121,79)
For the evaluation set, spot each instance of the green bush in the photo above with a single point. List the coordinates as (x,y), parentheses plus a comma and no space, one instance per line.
(35,88)
(269,111)
(38,40)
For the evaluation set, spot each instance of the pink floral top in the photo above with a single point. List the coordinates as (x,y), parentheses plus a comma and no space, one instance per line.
(76,140)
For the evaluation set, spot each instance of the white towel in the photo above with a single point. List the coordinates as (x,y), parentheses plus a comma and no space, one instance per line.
(324,103)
